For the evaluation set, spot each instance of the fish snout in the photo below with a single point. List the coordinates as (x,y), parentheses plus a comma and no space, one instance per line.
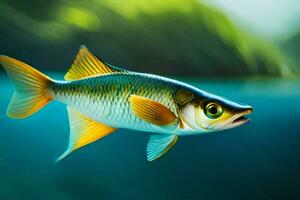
(243,109)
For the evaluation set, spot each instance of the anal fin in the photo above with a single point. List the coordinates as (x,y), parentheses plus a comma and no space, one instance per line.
(83,131)
(160,144)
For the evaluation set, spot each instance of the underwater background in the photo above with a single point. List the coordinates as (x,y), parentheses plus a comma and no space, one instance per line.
(247,51)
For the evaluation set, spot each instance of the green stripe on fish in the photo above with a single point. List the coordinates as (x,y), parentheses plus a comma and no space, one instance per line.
(102,98)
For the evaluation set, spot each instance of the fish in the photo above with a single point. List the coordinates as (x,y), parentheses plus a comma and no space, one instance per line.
(101,98)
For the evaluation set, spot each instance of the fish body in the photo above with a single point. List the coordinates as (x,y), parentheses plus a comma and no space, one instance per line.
(101,98)
(105,98)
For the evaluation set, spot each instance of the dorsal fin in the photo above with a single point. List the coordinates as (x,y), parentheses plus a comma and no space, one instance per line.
(86,64)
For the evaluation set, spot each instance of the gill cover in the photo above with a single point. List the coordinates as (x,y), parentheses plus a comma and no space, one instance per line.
(186,109)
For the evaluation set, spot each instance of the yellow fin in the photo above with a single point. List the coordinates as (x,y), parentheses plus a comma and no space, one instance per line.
(158,145)
(152,111)
(86,64)
(83,131)
(31,88)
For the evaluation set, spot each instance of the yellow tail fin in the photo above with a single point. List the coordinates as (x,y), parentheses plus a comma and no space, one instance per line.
(31,88)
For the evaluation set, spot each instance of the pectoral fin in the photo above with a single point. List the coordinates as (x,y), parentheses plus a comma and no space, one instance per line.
(158,145)
(152,111)
(83,131)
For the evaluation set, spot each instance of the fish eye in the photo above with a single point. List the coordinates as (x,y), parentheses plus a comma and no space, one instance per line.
(213,110)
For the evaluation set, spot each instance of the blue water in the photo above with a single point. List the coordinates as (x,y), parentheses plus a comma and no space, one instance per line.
(256,161)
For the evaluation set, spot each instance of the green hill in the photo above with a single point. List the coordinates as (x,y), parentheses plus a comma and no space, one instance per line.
(166,37)
(291,48)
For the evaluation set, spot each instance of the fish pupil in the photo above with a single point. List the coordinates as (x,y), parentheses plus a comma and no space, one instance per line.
(213,110)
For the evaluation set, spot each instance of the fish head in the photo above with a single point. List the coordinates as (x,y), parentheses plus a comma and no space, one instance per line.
(201,112)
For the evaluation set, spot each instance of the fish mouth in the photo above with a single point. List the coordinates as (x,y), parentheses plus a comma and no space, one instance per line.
(241,119)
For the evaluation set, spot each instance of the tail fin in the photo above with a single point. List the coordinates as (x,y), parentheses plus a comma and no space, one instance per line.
(31,88)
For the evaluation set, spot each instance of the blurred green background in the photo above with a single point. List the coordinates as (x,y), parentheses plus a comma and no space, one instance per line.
(190,38)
